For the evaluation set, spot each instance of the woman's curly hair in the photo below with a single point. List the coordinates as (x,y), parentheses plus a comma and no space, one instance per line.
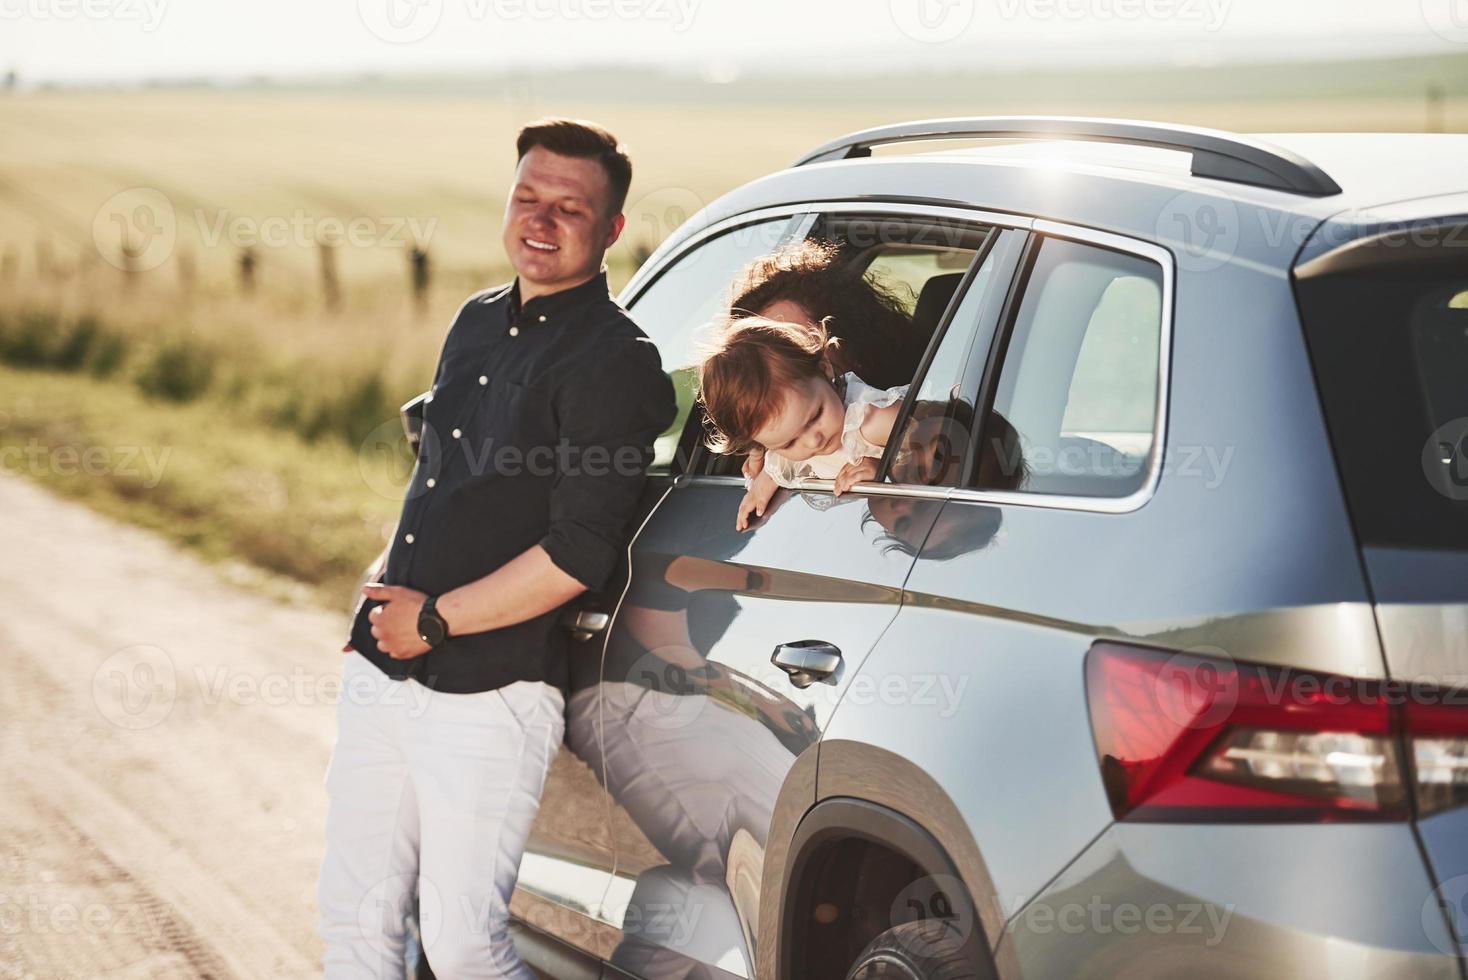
(878,341)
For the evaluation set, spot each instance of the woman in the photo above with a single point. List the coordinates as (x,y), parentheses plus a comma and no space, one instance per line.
(810,282)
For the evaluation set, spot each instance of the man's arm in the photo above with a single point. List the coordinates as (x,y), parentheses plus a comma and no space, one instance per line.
(592,499)
(526,586)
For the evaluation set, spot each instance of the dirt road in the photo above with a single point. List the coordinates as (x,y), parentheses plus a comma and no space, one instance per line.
(163,737)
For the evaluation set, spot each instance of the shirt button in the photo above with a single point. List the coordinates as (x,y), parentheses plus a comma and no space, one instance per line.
(484,379)
(408,538)
(432,483)
(458,433)
(540,319)
(514,331)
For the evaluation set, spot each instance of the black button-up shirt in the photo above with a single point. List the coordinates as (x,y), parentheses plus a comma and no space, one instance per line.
(539,430)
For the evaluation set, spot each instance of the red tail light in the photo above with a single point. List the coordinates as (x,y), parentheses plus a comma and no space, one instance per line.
(1184,737)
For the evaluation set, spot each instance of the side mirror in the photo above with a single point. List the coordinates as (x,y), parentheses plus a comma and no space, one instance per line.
(411,414)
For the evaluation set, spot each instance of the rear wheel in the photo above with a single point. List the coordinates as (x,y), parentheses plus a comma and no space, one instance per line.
(928,949)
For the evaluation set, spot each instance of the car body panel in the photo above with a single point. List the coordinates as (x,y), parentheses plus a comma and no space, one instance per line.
(700,731)
(1347,900)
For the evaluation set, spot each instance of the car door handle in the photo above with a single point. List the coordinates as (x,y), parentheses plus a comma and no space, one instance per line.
(585,623)
(807,661)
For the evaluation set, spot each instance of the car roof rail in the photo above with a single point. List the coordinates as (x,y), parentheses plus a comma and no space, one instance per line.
(1216,154)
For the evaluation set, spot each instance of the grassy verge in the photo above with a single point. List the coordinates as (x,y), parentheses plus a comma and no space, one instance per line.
(215,480)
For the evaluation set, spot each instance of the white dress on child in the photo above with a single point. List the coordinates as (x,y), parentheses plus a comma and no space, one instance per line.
(859,397)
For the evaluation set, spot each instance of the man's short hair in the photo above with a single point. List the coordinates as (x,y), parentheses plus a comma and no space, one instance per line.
(587,140)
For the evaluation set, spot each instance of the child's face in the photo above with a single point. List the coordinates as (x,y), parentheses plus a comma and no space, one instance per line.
(808,422)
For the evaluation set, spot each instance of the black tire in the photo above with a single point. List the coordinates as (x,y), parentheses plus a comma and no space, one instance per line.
(928,949)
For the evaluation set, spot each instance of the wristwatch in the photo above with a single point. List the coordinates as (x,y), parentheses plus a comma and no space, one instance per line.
(431,626)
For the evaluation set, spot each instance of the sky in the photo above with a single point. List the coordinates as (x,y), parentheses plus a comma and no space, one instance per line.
(96,40)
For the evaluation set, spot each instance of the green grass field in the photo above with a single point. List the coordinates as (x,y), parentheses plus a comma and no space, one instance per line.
(123,215)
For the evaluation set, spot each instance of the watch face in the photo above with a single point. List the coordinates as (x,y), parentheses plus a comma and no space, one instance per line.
(431,629)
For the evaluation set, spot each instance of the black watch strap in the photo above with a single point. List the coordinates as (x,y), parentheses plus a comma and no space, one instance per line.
(432,629)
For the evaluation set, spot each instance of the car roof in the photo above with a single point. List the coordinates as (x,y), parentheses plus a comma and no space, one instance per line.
(1376,169)
(1138,191)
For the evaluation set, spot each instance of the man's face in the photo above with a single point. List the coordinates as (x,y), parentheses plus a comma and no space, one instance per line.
(556,223)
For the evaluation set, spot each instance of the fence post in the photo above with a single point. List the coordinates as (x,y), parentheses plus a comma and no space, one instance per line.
(419,274)
(330,284)
(247,270)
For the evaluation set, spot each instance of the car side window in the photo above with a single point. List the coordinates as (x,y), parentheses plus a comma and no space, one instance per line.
(687,296)
(936,433)
(1078,385)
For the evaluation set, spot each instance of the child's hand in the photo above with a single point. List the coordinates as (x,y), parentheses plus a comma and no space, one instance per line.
(754,463)
(756,498)
(853,473)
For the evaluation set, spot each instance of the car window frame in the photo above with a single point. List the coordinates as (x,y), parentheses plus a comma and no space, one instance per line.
(989,251)
(687,455)
(816,212)
(1038,229)
(1041,231)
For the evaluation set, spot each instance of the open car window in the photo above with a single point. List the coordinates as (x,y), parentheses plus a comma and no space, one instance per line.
(684,298)
(918,264)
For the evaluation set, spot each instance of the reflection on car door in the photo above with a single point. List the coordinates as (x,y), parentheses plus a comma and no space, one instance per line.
(566,869)
(700,729)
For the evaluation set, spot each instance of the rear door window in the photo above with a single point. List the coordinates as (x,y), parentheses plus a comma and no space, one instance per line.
(1077,395)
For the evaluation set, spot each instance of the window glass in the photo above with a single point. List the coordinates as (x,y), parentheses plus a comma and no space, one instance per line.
(687,297)
(1078,387)
(936,435)
(1389,345)
(910,267)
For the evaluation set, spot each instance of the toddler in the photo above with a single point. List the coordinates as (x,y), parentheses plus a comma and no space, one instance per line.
(768,385)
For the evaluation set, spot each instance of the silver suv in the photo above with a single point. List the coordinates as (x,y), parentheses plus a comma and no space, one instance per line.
(1155,668)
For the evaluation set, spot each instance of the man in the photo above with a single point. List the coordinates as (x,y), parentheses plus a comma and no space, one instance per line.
(537,436)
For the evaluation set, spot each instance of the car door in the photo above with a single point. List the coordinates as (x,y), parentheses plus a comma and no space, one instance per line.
(567,865)
(1028,564)
(700,729)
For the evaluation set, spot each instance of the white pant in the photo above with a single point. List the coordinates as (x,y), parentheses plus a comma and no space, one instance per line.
(434,791)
